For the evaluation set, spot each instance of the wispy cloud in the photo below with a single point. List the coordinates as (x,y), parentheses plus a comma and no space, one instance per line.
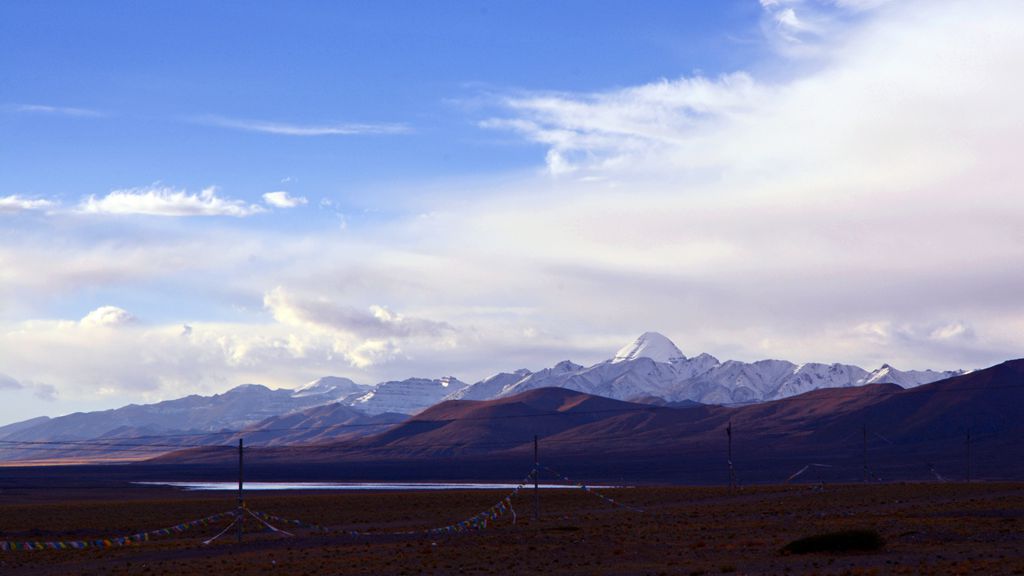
(601,129)
(289,129)
(58,110)
(166,201)
(782,180)
(282,199)
(808,27)
(861,210)
(15,203)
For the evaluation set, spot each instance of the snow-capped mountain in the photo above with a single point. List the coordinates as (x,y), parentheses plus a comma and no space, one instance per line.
(909,378)
(333,386)
(650,369)
(653,367)
(650,345)
(406,396)
(235,409)
(489,387)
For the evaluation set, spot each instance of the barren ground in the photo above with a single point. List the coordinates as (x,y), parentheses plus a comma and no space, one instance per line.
(929,529)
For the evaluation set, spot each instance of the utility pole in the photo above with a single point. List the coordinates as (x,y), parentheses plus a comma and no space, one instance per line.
(536,479)
(241,501)
(732,471)
(864,451)
(968,454)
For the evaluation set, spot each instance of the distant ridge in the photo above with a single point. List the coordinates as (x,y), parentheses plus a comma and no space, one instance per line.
(909,434)
(651,369)
(656,370)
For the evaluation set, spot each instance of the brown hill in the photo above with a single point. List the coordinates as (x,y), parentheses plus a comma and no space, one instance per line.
(899,434)
(331,422)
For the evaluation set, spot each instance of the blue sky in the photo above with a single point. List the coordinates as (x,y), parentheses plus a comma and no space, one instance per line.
(194,195)
(152,82)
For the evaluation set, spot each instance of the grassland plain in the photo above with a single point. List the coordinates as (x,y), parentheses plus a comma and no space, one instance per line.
(928,528)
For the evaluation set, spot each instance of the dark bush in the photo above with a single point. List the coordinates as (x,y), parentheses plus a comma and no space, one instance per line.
(843,541)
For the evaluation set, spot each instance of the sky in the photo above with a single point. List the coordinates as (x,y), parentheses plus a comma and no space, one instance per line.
(196,195)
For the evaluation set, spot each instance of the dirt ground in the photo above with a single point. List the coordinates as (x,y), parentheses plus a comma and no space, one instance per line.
(928,528)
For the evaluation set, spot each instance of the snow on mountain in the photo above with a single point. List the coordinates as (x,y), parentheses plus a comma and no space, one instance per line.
(541,379)
(406,396)
(813,376)
(234,409)
(650,345)
(735,381)
(696,366)
(333,386)
(652,367)
(908,379)
(489,387)
(649,369)
(619,380)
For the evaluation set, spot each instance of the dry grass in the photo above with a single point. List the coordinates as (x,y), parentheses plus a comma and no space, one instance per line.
(929,529)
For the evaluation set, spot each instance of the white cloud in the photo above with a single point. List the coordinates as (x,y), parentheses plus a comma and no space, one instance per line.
(15,203)
(107,316)
(826,198)
(286,129)
(863,211)
(603,129)
(58,110)
(374,322)
(858,5)
(281,199)
(807,27)
(952,331)
(373,352)
(364,337)
(787,17)
(142,362)
(166,201)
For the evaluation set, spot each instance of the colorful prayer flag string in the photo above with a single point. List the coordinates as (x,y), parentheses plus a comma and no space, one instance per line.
(8,546)
(590,490)
(478,522)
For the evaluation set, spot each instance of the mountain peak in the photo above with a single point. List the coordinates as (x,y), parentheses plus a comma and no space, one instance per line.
(650,345)
(248,389)
(334,386)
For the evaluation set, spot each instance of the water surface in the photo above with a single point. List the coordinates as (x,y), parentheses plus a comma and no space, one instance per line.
(397,486)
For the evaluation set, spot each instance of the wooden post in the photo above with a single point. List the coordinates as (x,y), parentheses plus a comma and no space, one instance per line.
(732,471)
(864,451)
(241,500)
(968,454)
(536,479)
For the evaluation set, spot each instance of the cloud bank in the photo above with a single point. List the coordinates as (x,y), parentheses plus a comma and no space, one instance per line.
(862,209)
(167,201)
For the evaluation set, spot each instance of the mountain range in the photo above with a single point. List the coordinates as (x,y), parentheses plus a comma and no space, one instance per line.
(650,370)
(652,367)
(951,429)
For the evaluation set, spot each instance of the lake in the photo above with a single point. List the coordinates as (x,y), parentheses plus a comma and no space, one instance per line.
(396,486)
